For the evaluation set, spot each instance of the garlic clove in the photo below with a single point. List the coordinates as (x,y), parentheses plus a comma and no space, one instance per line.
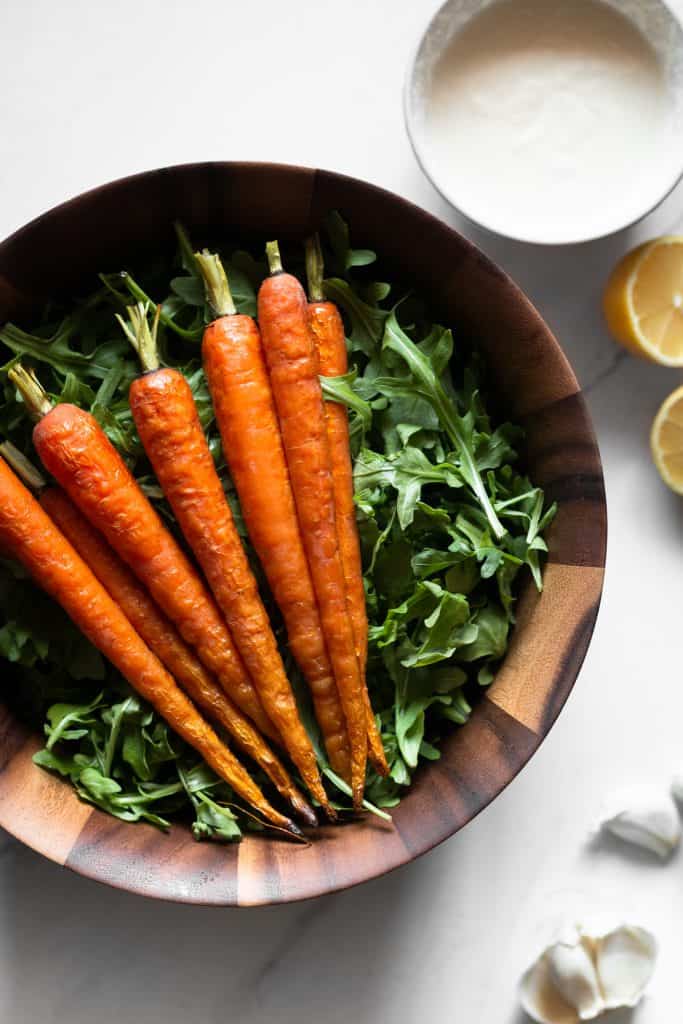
(625,961)
(647,817)
(540,998)
(677,787)
(575,977)
(588,970)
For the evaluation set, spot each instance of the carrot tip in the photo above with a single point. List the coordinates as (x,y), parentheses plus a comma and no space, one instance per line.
(295,831)
(305,812)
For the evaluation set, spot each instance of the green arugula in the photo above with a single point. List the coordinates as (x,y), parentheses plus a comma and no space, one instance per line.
(447,521)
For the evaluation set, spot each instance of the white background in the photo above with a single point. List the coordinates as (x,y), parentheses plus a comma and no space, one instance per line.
(90,92)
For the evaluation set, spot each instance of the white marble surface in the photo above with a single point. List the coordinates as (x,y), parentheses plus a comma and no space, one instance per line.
(89,92)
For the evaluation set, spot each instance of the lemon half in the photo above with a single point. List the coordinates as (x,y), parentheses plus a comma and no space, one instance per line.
(666,440)
(643,301)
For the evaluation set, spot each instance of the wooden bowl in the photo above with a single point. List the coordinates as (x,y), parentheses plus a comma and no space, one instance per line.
(534,385)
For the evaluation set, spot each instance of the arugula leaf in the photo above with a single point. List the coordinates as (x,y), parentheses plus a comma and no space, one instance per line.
(57,351)
(407,472)
(458,428)
(367,321)
(339,389)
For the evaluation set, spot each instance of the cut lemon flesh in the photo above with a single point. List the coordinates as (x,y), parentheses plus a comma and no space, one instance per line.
(643,301)
(666,441)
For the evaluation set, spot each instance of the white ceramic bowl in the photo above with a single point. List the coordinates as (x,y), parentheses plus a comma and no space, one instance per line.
(657,23)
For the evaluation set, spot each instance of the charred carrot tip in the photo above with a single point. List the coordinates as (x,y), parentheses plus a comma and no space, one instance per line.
(295,831)
(305,811)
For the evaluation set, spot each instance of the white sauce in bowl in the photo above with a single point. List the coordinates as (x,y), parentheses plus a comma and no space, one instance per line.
(550,120)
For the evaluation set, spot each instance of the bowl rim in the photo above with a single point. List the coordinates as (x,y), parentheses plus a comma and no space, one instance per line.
(92,868)
(448,194)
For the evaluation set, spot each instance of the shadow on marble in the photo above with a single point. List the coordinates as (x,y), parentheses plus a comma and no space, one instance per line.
(605,845)
(615,1017)
(73,949)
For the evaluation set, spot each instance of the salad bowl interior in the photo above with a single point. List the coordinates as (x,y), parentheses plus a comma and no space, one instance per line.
(532,384)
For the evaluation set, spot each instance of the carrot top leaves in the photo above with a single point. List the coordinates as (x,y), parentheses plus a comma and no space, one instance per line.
(141,335)
(218,294)
(274,258)
(315,268)
(33,395)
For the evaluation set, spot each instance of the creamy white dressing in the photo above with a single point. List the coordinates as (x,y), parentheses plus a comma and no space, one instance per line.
(550,120)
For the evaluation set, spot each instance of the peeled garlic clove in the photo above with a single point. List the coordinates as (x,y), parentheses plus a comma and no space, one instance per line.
(587,971)
(646,816)
(625,961)
(540,998)
(574,976)
(562,987)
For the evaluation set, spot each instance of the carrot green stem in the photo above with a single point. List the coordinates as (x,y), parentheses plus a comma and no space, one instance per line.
(184,242)
(22,466)
(140,295)
(142,337)
(315,268)
(216,286)
(33,393)
(274,258)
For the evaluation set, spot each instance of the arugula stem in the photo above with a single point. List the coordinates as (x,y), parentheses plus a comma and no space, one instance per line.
(184,244)
(346,789)
(315,268)
(129,799)
(216,284)
(141,296)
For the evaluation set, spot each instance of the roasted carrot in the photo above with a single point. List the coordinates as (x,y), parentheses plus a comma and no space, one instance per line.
(168,424)
(243,403)
(328,332)
(28,532)
(155,629)
(75,450)
(292,363)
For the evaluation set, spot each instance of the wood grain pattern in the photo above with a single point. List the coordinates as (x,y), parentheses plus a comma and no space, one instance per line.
(532,381)
(530,685)
(32,802)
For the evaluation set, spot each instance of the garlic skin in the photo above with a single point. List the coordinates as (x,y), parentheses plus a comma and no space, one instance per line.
(583,974)
(625,960)
(647,817)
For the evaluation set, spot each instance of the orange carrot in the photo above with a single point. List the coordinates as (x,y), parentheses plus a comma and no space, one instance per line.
(75,450)
(163,639)
(168,424)
(328,332)
(28,532)
(293,366)
(243,403)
